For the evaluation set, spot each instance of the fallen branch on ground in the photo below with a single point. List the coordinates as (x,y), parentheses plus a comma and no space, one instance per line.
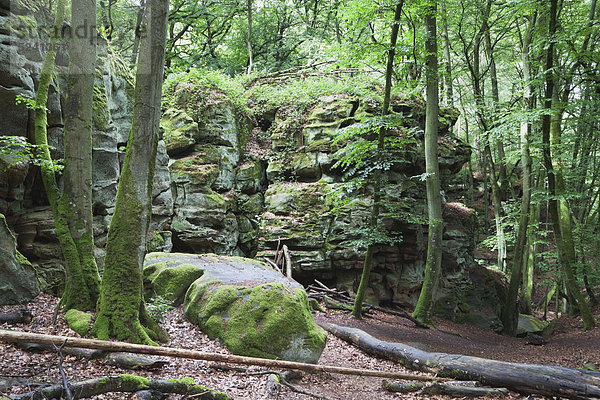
(27,337)
(343,296)
(22,316)
(122,383)
(118,359)
(462,391)
(546,380)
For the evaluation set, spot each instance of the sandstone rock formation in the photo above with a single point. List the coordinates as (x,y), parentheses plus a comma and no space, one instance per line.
(19,283)
(254,309)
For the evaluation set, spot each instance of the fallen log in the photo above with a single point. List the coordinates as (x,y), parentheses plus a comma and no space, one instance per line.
(123,383)
(66,341)
(22,316)
(118,359)
(462,391)
(546,380)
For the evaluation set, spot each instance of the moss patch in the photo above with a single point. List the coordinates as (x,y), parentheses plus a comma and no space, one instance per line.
(268,320)
(79,321)
(170,283)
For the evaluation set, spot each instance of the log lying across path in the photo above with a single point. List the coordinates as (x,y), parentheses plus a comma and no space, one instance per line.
(65,341)
(524,378)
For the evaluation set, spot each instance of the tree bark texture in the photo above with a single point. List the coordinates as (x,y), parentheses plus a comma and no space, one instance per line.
(82,285)
(433,264)
(546,380)
(510,315)
(122,312)
(62,204)
(554,177)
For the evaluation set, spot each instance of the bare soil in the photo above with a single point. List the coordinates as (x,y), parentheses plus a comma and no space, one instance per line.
(570,347)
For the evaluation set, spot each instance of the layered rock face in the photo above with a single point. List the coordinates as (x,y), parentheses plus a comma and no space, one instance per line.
(243,193)
(22,197)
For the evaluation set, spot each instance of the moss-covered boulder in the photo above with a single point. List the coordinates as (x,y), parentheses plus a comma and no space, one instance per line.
(253,309)
(79,321)
(530,324)
(169,280)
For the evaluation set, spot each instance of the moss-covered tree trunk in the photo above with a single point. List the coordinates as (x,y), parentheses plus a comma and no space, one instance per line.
(121,311)
(433,264)
(554,181)
(368,263)
(70,207)
(82,285)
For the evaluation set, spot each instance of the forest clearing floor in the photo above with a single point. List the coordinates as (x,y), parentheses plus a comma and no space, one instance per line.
(570,347)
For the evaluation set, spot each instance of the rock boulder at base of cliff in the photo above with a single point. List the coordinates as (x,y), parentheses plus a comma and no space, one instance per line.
(19,283)
(252,308)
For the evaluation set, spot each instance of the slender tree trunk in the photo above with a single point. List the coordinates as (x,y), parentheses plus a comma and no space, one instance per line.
(510,315)
(447,59)
(554,206)
(249,37)
(82,285)
(121,311)
(71,209)
(434,200)
(488,160)
(501,156)
(368,263)
(138,32)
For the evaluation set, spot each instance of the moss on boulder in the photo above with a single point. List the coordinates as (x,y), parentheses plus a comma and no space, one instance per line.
(180,131)
(255,310)
(79,321)
(169,281)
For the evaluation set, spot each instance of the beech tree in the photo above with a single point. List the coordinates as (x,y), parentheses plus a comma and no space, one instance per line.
(121,310)
(368,263)
(71,203)
(433,263)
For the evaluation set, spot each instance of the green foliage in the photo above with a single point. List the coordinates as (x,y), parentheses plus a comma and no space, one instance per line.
(359,158)
(21,151)
(158,308)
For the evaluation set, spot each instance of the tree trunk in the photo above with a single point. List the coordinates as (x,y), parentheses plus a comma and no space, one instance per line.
(138,33)
(368,263)
(121,311)
(433,264)
(553,202)
(447,59)
(74,235)
(524,378)
(249,37)
(82,285)
(510,312)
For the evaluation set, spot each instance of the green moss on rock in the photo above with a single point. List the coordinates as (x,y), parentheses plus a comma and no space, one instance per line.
(170,283)
(268,320)
(79,321)
(133,382)
(180,131)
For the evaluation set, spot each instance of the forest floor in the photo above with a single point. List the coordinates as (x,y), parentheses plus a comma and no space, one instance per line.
(570,346)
